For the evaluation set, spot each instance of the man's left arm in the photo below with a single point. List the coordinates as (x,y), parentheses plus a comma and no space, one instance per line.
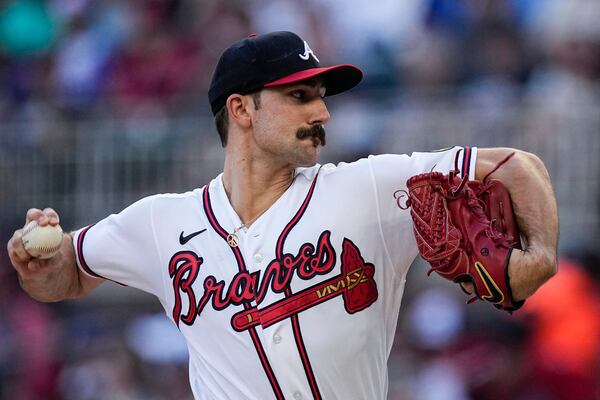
(536,212)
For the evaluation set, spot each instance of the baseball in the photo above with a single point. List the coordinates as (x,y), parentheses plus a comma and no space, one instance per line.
(41,241)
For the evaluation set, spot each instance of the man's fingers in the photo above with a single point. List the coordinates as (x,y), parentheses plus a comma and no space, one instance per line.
(18,261)
(467,287)
(52,216)
(32,214)
(21,261)
(15,248)
(16,251)
(34,265)
(26,266)
(43,217)
(29,269)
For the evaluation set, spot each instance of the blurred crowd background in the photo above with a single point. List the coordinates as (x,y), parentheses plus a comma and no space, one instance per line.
(104,101)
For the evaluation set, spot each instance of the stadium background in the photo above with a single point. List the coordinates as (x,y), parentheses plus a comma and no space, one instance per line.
(103,102)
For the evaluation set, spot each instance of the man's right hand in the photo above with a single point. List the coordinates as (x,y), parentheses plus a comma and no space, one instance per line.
(21,260)
(51,279)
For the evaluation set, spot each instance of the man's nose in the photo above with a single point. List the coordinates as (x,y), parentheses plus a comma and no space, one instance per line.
(320,113)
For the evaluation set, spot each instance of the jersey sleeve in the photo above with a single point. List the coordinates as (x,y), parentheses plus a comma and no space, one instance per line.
(390,169)
(389,175)
(122,248)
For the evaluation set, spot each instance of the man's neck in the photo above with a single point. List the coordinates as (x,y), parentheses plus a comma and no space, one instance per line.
(253,187)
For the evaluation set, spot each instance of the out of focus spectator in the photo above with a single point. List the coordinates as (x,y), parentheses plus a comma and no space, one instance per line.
(497,65)
(29,356)
(158,63)
(563,348)
(568,81)
(27,34)
(93,33)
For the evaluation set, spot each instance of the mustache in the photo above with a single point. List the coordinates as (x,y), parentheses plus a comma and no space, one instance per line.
(314,131)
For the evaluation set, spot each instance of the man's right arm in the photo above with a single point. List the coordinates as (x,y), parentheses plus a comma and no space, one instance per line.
(55,279)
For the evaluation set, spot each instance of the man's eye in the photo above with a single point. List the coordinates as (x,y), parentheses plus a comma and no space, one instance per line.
(299,94)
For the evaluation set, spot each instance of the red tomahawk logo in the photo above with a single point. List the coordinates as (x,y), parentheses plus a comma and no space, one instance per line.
(355,284)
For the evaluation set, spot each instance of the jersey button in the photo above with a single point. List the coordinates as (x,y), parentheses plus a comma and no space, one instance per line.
(297,395)
(258,257)
(277,340)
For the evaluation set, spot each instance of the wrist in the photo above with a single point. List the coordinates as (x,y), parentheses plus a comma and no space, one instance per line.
(529,269)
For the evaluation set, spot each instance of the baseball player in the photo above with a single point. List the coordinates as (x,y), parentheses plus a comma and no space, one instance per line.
(285,276)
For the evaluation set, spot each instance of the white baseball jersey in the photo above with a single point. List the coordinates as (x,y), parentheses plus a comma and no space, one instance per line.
(306,305)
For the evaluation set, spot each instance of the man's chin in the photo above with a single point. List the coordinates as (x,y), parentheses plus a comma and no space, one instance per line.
(310,160)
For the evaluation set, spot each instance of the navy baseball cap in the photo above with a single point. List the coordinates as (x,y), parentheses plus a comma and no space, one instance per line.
(273,59)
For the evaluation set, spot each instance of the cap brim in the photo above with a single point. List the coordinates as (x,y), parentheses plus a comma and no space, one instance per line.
(338,78)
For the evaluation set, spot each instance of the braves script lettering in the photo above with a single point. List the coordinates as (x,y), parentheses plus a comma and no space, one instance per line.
(244,287)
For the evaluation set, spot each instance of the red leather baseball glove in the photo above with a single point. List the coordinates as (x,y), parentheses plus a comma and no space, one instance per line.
(466,230)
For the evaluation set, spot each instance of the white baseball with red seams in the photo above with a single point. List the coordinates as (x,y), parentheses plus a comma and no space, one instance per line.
(305,306)
(41,241)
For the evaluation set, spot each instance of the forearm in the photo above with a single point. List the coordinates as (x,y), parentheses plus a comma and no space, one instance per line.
(58,278)
(536,212)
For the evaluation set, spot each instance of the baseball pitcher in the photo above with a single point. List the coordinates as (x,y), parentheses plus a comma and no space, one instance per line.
(284,275)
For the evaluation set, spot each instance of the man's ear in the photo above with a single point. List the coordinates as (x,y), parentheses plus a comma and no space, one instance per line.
(238,107)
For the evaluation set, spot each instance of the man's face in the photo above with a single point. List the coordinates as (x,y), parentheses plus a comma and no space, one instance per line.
(288,125)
